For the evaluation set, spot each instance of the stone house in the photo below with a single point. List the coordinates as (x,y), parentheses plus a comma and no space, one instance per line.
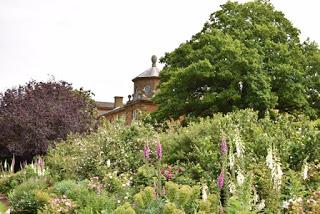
(145,87)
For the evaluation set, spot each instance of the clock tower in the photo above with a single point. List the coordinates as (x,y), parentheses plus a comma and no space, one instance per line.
(146,83)
(145,87)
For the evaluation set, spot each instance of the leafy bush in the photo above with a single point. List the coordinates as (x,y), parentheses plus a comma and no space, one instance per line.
(9,181)
(146,201)
(88,156)
(124,209)
(34,115)
(198,143)
(2,208)
(28,196)
(183,196)
(228,163)
(86,200)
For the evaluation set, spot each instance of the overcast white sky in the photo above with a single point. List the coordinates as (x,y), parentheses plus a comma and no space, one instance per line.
(102,45)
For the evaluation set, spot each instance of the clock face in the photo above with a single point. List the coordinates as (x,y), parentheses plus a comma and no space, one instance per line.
(147,89)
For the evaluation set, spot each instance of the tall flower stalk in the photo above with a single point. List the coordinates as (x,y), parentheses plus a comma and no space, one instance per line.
(223,146)
(13,163)
(159,157)
(146,152)
(159,151)
(274,165)
(220,180)
(224,160)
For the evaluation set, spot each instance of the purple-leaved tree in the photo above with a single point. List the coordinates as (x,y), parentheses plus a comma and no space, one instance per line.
(35,115)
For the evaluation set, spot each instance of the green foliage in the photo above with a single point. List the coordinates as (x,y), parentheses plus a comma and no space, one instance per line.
(246,56)
(170,208)
(183,196)
(130,183)
(147,202)
(2,208)
(86,157)
(124,209)
(9,181)
(87,201)
(145,175)
(296,138)
(211,205)
(27,197)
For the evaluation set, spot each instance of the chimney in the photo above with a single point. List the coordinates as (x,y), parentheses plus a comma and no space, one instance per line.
(118,101)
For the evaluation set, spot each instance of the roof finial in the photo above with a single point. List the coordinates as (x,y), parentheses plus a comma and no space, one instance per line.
(154,60)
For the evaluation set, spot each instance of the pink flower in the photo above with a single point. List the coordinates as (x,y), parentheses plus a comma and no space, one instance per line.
(221,210)
(146,151)
(223,146)
(169,175)
(159,151)
(220,181)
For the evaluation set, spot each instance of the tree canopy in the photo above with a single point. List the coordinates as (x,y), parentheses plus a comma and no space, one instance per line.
(34,115)
(246,56)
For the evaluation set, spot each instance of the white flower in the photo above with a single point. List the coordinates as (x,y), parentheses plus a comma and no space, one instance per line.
(240,178)
(232,188)
(305,171)
(231,160)
(277,176)
(239,146)
(285,204)
(261,205)
(240,85)
(269,158)
(274,164)
(204,192)
(5,165)
(108,163)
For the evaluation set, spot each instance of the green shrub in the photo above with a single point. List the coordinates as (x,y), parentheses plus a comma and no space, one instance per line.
(87,200)
(11,180)
(146,201)
(124,209)
(2,208)
(88,156)
(28,197)
(183,196)
(170,208)
(198,143)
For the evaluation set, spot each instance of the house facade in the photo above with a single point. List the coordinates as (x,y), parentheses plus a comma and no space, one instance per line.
(145,87)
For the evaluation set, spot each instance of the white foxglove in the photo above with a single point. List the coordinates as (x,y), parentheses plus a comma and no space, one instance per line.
(269,158)
(240,178)
(204,192)
(305,171)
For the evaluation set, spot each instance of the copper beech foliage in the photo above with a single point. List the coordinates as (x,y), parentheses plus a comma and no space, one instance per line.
(35,115)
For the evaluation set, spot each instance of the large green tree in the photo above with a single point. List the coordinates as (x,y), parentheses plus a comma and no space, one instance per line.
(246,56)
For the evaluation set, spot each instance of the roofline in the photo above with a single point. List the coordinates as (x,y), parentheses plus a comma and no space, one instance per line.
(119,109)
(151,77)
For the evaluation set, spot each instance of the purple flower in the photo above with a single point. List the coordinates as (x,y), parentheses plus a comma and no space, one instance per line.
(223,146)
(146,151)
(220,181)
(159,151)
